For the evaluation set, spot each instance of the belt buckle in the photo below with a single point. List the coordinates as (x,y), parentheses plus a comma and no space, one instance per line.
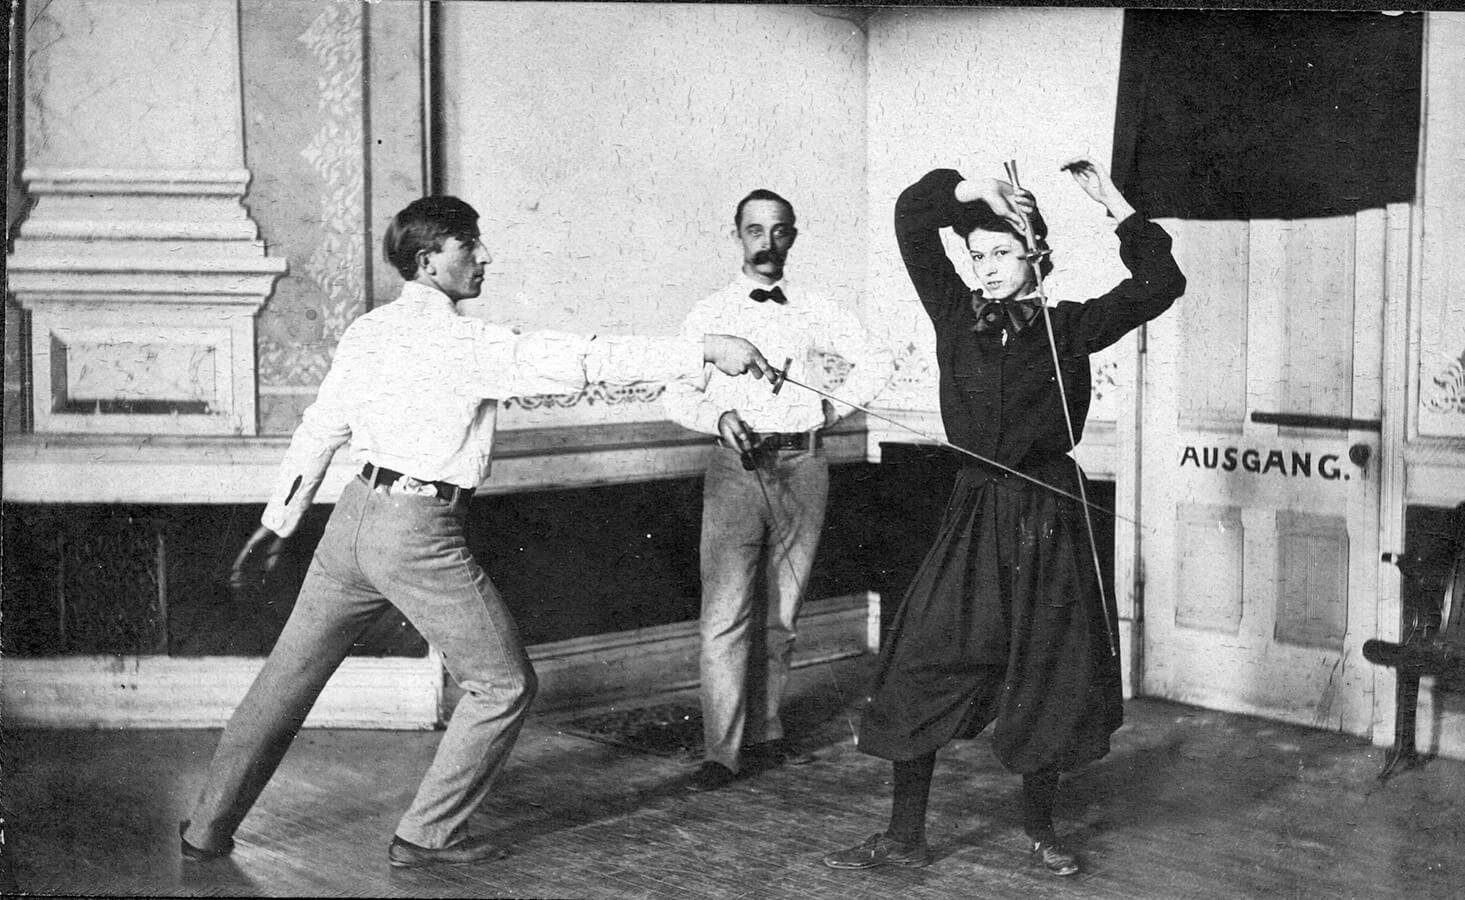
(409,485)
(796,441)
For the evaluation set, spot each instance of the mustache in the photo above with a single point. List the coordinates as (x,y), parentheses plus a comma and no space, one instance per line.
(766,256)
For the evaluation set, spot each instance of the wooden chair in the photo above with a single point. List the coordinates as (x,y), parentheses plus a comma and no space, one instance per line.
(1434,639)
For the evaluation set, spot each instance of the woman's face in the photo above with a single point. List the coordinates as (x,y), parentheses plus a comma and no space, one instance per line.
(999,260)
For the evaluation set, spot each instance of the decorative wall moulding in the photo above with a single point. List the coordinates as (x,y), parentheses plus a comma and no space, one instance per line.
(200,182)
(142,287)
(174,468)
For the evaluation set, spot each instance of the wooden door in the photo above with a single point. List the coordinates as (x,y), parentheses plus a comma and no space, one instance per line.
(1259,462)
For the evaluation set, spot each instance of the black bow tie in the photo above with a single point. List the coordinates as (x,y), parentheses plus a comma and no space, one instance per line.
(1010,315)
(776,295)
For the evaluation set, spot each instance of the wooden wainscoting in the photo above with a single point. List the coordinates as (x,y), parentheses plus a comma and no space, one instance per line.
(116,692)
(201,692)
(607,667)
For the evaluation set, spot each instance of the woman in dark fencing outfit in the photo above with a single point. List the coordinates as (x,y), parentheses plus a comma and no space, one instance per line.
(1005,622)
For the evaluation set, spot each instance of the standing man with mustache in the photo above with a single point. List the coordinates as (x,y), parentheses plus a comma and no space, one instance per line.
(767,484)
(413,386)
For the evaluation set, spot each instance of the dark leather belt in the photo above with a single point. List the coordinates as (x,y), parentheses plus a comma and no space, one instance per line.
(796,440)
(785,440)
(376,476)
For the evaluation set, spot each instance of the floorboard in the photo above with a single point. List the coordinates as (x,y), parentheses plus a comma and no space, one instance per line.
(1190,804)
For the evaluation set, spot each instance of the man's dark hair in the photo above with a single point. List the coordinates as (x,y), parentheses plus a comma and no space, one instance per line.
(979,217)
(762,194)
(423,225)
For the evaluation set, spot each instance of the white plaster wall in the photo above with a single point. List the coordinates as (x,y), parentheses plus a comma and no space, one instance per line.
(969,89)
(1440,410)
(1439,424)
(143,84)
(606,146)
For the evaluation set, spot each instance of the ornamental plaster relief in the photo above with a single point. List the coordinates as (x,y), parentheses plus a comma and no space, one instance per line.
(137,261)
(326,239)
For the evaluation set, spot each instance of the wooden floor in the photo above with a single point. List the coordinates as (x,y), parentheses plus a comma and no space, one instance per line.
(1190,804)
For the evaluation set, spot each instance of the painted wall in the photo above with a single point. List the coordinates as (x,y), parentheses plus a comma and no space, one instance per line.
(1441,394)
(181,115)
(607,145)
(970,89)
(1435,442)
(305,132)
(334,138)
(13,417)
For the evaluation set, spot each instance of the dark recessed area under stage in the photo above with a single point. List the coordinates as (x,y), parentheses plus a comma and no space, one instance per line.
(151,579)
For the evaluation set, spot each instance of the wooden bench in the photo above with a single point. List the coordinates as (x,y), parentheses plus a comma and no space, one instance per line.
(1434,637)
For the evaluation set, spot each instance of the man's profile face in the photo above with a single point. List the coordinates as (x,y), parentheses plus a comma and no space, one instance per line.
(766,231)
(457,268)
(997,260)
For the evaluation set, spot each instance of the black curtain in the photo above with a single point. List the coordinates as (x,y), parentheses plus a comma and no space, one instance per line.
(1247,114)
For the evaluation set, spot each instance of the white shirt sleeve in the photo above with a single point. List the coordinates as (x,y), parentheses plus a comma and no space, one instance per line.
(506,364)
(323,428)
(686,402)
(471,357)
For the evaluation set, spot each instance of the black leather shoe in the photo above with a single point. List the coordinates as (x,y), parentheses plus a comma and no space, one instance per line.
(1055,857)
(710,776)
(880,850)
(407,855)
(777,752)
(201,854)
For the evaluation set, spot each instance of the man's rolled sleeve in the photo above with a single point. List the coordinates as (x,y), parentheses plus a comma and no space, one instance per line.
(622,359)
(549,362)
(687,404)
(687,401)
(539,362)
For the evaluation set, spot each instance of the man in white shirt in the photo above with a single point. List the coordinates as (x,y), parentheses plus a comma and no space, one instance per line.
(413,387)
(767,482)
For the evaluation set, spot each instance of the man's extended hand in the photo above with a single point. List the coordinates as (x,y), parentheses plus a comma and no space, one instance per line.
(260,556)
(734,356)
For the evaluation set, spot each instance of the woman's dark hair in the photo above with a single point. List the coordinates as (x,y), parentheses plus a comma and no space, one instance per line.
(979,217)
(423,225)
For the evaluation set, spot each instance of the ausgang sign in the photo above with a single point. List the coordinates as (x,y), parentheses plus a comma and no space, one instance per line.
(1261,461)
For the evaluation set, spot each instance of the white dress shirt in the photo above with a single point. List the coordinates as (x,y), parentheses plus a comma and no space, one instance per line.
(413,387)
(806,325)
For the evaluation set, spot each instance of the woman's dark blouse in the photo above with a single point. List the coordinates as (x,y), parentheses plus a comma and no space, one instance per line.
(1001,401)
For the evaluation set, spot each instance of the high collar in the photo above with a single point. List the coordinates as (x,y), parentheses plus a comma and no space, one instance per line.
(430,298)
(1011,315)
(746,285)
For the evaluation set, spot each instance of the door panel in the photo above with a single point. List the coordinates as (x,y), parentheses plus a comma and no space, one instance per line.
(1208,539)
(1211,354)
(1259,532)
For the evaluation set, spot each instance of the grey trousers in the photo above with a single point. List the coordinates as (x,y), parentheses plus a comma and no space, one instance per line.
(381,548)
(780,505)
